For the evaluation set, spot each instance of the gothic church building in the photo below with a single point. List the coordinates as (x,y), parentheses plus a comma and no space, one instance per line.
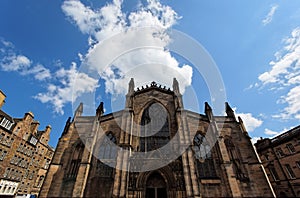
(218,159)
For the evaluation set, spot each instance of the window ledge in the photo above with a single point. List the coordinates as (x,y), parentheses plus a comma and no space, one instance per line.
(210,181)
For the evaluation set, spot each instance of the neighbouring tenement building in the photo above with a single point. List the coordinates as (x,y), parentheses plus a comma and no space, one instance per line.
(25,154)
(281,158)
(154,117)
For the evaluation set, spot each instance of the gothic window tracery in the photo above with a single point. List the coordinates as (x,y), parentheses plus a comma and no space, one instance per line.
(75,161)
(107,154)
(235,159)
(203,156)
(154,128)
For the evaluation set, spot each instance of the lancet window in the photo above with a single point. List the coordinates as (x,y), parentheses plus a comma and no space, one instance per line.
(203,156)
(154,128)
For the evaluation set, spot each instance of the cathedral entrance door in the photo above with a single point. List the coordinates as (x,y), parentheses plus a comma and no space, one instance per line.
(156,186)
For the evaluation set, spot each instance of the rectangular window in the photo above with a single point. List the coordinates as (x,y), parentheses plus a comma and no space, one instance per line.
(10,141)
(290,171)
(47,164)
(274,173)
(33,140)
(2,136)
(13,160)
(291,148)
(6,123)
(6,173)
(2,154)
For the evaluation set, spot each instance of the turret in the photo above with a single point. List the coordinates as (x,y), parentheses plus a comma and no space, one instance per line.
(34,127)
(46,135)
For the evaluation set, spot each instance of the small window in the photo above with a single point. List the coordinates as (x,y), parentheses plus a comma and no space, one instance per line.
(267,157)
(291,148)
(279,152)
(290,171)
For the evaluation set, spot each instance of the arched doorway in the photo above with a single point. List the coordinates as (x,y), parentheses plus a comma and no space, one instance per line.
(156,186)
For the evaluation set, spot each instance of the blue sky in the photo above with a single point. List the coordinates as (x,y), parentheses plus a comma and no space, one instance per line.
(255,44)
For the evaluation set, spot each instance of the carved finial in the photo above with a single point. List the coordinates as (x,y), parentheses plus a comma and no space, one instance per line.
(176,86)
(242,125)
(131,86)
(208,111)
(153,84)
(229,111)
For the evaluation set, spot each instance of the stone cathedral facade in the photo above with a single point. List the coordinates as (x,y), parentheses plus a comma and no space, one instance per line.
(218,160)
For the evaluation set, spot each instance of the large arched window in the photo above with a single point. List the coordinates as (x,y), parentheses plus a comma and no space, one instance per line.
(75,161)
(107,153)
(154,128)
(204,160)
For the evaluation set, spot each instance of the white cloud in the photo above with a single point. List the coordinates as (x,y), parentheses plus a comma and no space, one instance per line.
(101,23)
(285,74)
(270,132)
(270,15)
(254,139)
(12,62)
(250,122)
(15,63)
(292,99)
(70,85)
(287,64)
(273,134)
(146,64)
(39,72)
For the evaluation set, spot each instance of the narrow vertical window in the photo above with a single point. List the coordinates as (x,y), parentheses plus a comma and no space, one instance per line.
(235,159)
(279,152)
(75,161)
(290,171)
(291,148)
(274,173)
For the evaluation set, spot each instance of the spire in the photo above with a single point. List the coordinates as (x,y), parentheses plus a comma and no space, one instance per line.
(176,86)
(178,96)
(131,86)
(129,95)
(100,110)
(79,110)
(208,111)
(229,111)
